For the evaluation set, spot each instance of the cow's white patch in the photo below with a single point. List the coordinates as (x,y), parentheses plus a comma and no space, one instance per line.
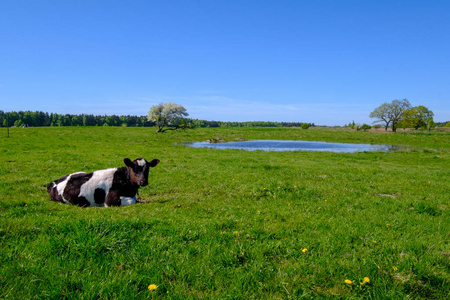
(141,162)
(102,179)
(127,200)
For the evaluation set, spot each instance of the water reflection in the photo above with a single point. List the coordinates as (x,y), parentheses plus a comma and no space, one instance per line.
(280,145)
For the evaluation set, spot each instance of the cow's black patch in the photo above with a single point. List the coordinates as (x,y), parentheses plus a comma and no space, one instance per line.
(81,201)
(122,183)
(72,190)
(122,186)
(53,192)
(99,196)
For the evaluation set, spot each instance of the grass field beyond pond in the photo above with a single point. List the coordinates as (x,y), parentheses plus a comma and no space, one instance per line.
(228,224)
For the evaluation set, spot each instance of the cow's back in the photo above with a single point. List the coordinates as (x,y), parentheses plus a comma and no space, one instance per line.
(83,189)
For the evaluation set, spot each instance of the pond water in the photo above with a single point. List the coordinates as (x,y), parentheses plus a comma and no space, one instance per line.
(280,145)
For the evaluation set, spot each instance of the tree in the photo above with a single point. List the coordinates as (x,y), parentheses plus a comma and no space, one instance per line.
(430,123)
(88,120)
(390,112)
(76,121)
(169,115)
(416,117)
(381,113)
(2,117)
(18,123)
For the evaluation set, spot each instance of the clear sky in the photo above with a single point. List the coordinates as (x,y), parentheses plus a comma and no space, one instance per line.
(324,62)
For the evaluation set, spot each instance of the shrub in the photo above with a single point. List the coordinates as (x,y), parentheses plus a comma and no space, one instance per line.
(18,123)
(365,127)
(305,126)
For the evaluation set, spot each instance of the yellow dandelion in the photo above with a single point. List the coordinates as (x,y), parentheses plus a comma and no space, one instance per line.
(304,250)
(394,268)
(152,287)
(366,279)
(235,232)
(348,281)
(361,283)
(375,242)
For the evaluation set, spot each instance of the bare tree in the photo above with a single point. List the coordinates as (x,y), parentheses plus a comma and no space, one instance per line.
(381,113)
(398,107)
(390,113)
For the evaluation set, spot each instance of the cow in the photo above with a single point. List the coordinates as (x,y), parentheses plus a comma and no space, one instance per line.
(110,187)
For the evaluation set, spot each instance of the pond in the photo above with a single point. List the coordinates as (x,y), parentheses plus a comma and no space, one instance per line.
(280,145)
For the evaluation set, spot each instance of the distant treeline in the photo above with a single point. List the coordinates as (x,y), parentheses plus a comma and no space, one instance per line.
(40,119)
(204,123)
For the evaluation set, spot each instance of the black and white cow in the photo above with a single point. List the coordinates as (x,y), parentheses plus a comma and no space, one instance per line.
(110,187)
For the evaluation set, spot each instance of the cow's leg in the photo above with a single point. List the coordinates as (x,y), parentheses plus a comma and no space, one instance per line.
(113,198)
(127,200)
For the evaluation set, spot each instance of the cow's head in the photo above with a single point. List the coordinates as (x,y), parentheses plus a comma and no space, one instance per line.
(138,170)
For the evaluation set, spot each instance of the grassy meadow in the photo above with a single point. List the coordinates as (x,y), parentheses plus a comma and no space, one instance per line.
(228,224)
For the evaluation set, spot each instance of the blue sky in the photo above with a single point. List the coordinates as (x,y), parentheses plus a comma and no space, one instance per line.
(324,62)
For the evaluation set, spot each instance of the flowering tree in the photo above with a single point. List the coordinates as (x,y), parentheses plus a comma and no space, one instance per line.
(169,115)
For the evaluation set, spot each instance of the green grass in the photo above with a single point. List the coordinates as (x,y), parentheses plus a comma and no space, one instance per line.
(228,224)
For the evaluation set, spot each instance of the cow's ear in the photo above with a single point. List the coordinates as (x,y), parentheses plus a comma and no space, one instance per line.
(153,163)
(128,162)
